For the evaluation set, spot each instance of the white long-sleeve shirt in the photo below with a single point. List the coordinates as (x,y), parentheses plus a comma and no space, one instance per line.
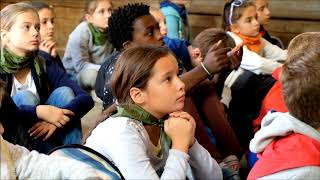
(126,142)
(261,64)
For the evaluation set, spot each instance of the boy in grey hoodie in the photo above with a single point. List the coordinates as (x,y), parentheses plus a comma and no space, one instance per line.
(288,144)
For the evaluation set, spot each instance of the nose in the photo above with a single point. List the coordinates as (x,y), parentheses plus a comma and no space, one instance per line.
(159,36)
(267,12)
(255,22)
(180,85)
(50,25)
(35,32)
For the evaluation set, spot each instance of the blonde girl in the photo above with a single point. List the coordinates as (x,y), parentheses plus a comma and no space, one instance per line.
(142,138)
(51,104)
(88,46)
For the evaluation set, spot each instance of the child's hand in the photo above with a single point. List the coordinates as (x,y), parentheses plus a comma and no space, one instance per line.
(188,117)
(53,115)
(235,56)
(184,137)
(216,58)
(41,129)
(49,47)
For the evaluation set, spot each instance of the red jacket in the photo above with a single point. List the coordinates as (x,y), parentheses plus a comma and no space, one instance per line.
(272,101)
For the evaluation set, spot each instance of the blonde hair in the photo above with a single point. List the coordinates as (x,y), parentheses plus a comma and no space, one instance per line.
(90,6)
(9,14)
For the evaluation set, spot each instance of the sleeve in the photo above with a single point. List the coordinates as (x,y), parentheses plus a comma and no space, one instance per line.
(33,165)
(202,164)
(79,47)
(257,64)
(82,102)
(273,52)
(129,153)
(172,26)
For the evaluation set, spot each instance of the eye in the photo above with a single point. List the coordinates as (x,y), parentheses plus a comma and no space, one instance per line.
(44,22)
(37,27)
(26,27)
(150,33)
(101,11)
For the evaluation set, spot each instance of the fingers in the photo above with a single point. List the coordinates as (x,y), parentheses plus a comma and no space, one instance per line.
(67,112)
(33,128)
(49,133)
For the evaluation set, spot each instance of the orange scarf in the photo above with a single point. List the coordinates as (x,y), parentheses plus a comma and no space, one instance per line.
(253,43)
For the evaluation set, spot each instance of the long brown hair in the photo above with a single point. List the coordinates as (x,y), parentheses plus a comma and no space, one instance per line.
(133,69)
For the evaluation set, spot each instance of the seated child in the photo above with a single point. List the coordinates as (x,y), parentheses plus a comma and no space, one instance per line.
(45,96)
(16,162)
(176,15)
(88,45)
(274,99)
(251,82)
(47,20)
(142,138)
(288,144)
(140,22)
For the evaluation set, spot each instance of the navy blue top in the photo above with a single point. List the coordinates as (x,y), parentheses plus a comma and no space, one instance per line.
(54,78)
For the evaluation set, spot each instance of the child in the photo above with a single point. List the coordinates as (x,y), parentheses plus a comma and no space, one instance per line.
(51,102)
(263,14)
(47,18)
(259,56)
(176,19)
(274,98)
(19,163)
(147,89)
(88,45)
(251,82)
(289,143)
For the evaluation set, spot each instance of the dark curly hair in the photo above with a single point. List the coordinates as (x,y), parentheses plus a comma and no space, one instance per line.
(121,22)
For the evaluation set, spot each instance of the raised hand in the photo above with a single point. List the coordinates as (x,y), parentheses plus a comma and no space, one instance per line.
(49,47)
(41,129)
(217,58)
(53,115)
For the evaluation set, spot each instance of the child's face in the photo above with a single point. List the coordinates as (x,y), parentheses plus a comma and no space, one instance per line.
(146,31)
(101,14)
(248,24)
(47,24)
(165,91)
(263,12)
(24,36)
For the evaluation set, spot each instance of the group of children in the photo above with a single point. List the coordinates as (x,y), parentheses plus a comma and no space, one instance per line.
(177,108)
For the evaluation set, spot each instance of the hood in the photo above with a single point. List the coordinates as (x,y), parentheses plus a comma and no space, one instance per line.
(279,124)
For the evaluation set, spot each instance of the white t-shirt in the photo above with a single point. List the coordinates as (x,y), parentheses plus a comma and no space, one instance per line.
(28,85)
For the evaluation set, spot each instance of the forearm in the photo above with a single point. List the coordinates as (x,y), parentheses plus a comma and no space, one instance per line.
(193,77)
(202,164)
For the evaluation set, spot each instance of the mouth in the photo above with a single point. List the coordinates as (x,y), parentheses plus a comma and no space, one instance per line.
(35,42)
(181,98)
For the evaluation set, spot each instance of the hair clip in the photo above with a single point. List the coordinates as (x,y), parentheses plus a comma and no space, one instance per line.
(236,3)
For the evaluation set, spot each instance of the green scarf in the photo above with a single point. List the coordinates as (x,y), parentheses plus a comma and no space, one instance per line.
(99,37)
(11,63)
(138,113)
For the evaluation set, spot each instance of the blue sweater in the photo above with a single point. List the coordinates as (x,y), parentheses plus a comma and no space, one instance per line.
(54,78)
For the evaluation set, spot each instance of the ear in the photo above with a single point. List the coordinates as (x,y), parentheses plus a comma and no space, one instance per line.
(137,95)
(3,35)
(235,28)
(88,18)
(127,44)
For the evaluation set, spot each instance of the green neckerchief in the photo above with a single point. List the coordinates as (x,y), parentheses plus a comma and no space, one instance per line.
(11,63)
(99,37)
(138,113)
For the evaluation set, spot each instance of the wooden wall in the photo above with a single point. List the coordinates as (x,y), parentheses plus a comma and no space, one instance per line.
(289,17)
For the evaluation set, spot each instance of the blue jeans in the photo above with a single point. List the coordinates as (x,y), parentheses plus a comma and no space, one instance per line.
(71,133)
